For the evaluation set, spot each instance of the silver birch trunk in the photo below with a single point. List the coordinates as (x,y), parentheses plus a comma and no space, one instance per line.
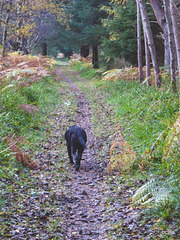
(148,32)
(141,76)
(175,16)
(160,16)
(18,22)
(1,9)
(6,28)
(171,43)
(148,73)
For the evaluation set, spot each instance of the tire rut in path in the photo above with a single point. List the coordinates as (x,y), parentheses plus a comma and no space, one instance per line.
(84,219)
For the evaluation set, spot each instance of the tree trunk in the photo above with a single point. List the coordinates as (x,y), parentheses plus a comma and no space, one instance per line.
(148,32)
(24,46)
(148,72)
(170,37)
(84,51)
(1,9)
(174,15)
(18,21)
(166,48)
(6,28)
(160,16)
(141,76)
(95,56)
(44,49)
(87,51)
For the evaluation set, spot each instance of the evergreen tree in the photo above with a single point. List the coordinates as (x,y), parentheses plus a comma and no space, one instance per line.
(121,27)
(85,26)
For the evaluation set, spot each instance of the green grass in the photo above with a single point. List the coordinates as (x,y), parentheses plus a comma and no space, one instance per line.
(146,116)
(143,112)
(15,120)
(42,94)
(86,70)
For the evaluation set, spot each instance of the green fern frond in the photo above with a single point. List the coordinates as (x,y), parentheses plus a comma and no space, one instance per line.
(156,192)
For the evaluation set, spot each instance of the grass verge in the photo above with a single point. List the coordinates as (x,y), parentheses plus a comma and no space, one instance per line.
(149,120)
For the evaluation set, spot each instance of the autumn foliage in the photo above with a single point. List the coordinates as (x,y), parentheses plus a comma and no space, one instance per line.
(131,73)
(122,155)
(20,156)
(18,66)
(17,74)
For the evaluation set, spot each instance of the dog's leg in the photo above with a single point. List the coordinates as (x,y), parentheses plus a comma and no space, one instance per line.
(74,156)
(77,164)
(78,159)
(69,153)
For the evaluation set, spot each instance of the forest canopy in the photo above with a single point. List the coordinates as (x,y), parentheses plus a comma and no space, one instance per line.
(132,32)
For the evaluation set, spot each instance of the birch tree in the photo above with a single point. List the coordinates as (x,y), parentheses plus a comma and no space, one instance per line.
(141,76)
(157,6)
(2,4)
(147,53)
(23,20)
(171,45)
(148,32)
(175,16)
(5,27)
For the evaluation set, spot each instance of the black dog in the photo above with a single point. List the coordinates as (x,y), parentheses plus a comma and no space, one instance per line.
(76,139)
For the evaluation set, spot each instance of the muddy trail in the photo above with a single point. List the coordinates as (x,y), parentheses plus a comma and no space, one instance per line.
(55,201)
(84,217)
(98,206)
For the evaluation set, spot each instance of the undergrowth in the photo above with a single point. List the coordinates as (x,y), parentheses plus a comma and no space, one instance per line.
(146,141)
(23,110)
(85,68)
(28,197)
(146,115)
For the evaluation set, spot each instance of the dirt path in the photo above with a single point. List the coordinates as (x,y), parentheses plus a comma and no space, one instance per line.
(98,206)
(55,201)
(84,219)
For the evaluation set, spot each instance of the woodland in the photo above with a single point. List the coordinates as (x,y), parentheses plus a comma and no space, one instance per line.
(113,68)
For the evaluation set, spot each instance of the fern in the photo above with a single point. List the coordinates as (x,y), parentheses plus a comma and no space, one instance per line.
(158,192)
(122,155)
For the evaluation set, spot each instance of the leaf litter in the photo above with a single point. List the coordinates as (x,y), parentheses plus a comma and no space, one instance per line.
(55,201)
